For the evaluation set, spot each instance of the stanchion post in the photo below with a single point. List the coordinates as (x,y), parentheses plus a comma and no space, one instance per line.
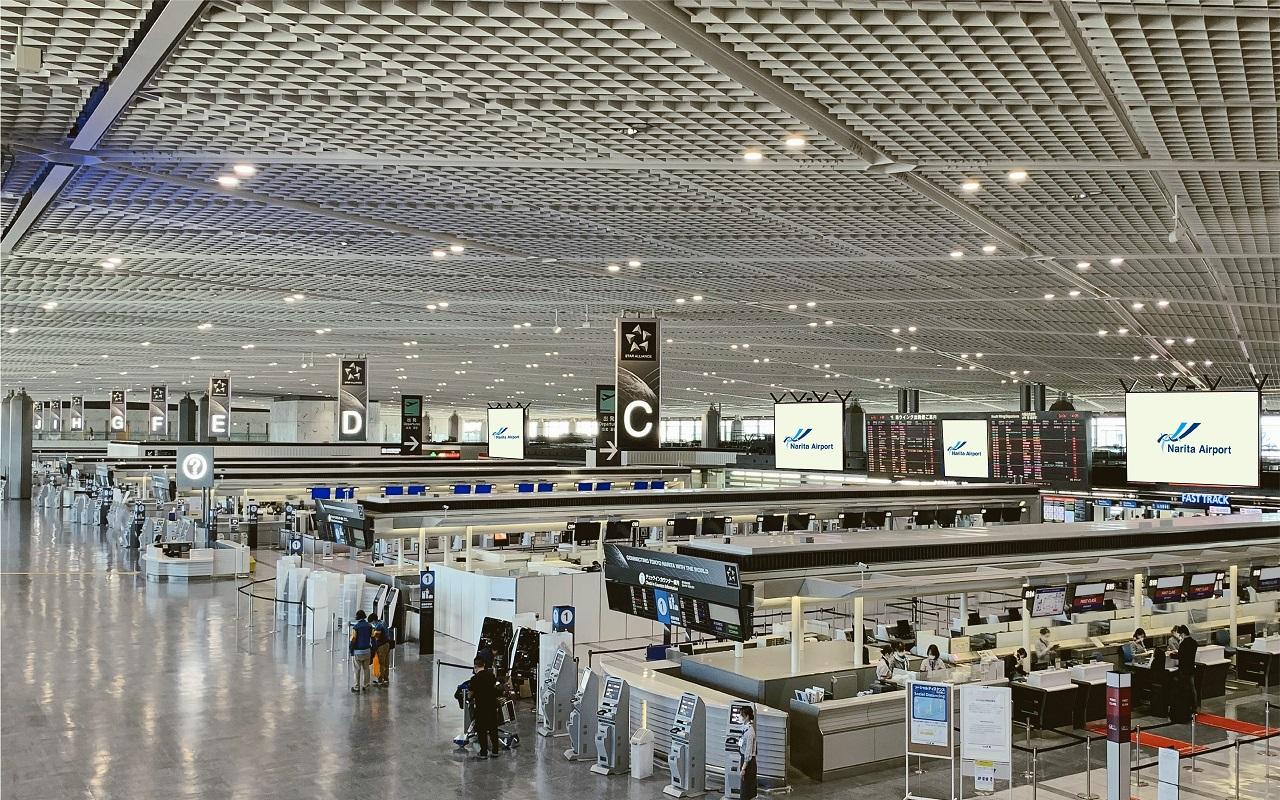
(1030,771)
(1193,766)
(1137,751)
(1034,779)
(1088,770)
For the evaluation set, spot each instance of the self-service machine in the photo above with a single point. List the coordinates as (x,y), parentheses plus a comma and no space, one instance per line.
(613,729)
(555,695)
(582,719)
(687,755)
(733,766)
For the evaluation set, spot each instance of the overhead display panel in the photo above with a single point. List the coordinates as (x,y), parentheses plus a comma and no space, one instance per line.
(964,449)
(1193,438)
(506,433)
(809,436)
(1042,448)
(902,445)
(700,594)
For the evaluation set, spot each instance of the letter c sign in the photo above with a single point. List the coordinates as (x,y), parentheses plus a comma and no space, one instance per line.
(628,422)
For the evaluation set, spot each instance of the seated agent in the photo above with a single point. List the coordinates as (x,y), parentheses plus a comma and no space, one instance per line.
(1046,650)
(1138,644)
(884,667)
(934,660)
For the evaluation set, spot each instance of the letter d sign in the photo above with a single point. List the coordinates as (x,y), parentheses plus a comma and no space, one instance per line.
(352,423)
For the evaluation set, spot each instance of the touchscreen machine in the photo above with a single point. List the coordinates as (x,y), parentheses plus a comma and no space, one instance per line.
(613,729)
(687,755)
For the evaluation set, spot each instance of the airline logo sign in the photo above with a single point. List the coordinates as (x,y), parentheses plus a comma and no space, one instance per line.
(195,467)
(817,441)
(966,453)
(638,384)
(117,414)
(219,420)
(506,433)
(1205,438)
(158,412)
(77,413)
(353,399)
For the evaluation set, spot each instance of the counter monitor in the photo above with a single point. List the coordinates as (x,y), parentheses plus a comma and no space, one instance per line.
(714,526)
(1049,602)
(1168,589)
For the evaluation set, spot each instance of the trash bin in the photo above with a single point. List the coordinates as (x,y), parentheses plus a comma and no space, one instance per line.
(642,753)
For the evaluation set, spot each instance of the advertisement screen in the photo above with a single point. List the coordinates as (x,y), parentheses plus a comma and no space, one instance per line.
(506,433)
(809,436)
(964,448)
(1202,438)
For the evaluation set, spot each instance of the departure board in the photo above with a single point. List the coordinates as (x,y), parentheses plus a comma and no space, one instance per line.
(1044,448)
(903,446)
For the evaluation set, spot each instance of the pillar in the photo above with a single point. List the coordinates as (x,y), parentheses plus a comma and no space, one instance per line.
(859,604)
(202,418)
(1137,599)
(797,632)
(187,426)
(1234,575)
(711,427)
(17,444)
(1026,625)
(455,427)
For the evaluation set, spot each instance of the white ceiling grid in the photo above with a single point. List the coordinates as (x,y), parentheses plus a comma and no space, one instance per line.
(555,139)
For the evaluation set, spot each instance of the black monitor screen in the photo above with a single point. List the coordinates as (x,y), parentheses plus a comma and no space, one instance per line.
(903,446)
(586,533)
(797,522)
(500,540)
(713,526)
(771,523)
(1043,448)
(684,526)
(618,529)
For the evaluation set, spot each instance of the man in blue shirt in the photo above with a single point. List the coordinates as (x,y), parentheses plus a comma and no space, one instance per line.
(361,649)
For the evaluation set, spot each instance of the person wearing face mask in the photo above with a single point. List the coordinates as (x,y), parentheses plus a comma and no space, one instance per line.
(1138,644)
(884,667)
(933,660)
(1046,650)
(901,656)
(1184,701)
(1021,663)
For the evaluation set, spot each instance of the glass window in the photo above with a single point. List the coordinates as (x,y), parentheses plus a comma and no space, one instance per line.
(1108,432)
(471,430)
(586,427)
(1271,435)
(555,428)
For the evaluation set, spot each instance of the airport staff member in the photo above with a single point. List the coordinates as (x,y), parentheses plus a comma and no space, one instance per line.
(933,660)
(1138,644)
(901,656)
(747,753)
(483,689)
(884,668)
(1184,702)
(1046,650)
(1021,663)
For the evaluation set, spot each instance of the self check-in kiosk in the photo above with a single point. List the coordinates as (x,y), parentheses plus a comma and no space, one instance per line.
(556,694)
(733,765)
(687,755)
(613,729)
(582,719)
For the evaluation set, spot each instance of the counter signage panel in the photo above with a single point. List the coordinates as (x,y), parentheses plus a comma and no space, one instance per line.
(1044,448)
(903,446)
(696,593)
(1049,602)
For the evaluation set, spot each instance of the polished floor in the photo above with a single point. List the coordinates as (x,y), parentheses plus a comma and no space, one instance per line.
(116,689)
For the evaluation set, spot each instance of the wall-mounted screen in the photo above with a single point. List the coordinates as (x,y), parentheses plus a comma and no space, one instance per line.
(809,436)
(1204,585)
(1089,597)
(619,529)
(683,526)
(964,449)
(771,523)
(1042,448)
(586,533)
(1168,589)
(1197,438)
(1049,602)
(1266,579)
(506,433)
(902,446)
(714,526)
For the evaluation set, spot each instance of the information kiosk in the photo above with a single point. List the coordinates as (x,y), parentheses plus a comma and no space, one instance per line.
(582,742)
(556,695)
(613,729)
(687,756)
(733,765)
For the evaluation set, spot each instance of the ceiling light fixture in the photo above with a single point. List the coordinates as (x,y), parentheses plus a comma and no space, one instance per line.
(204,326)
(752,155)
(970,186)
(957,254)
(1049,296)
(989,249)
(1017,175)
(1083,265)
(613,268)
(633,263)
(456,248)
(245,170)
(228,181)
(1138,306)
(438,253)
(1074,293)
(1189,340)
(1162,304)
(795,141)
(1116,261)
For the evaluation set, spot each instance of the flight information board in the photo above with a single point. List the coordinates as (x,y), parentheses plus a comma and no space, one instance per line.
(903,446)
(1044,448)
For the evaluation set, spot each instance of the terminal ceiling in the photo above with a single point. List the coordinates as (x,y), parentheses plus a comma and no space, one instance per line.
(595,158)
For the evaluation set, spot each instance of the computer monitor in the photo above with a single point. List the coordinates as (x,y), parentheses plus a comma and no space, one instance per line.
(713,526)
(393,491)
(524,487)
(926,516)
(638,485)
(851,520)
(619,529)
(875,519)
(683,526)
(657,484)
(771,523)
(586,532)
(484,488)
(903,629)
(584,486)
(500,540)
(798,522)
(462,488)
(321,493)
(417,489)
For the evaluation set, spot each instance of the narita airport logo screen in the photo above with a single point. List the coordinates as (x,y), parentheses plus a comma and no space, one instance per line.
(796,441)
(1172,442)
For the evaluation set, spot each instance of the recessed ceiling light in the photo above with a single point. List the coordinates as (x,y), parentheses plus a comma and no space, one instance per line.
(752,155)
(320,330)
(204,326)
(1083,265)
(633,263)
(1137,358)
(1207,363)
(290,300)
(194,358)
(697,298)
(970,186)
(988,248)
(456,248)
(810,304)
(1117,261)
(49,305)
(913,348)
(895,330)
(1049,296)
(13,330)
(613,268)
(246,347)
(1122,331)
(957,254)
(438,253)
(813,324)
(146,344)
(1168,341)
(1083,195)
(795,141)
(829,322)
(897,349)
(1162,304)
(1189,340)
(1138,306)
(911,329)
(298,296)
(443,304)
(1152,357)
(792,306)
(977,355)
(1074,293)
(1017,175)
(679,300)
(228,181)
(1102,332)
(245,170)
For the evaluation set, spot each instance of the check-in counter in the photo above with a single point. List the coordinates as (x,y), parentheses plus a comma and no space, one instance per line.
(1260,662)
(657,694)
(1046,700)
(224,560)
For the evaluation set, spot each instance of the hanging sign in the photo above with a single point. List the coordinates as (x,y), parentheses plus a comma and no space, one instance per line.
(638,386)
(77,413)
(353,399)
(158,412)
(606,426)
(219,421)
(117,414)
(410,424)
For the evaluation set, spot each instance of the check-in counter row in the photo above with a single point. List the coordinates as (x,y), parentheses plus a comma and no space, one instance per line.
(225,560)
(655,696)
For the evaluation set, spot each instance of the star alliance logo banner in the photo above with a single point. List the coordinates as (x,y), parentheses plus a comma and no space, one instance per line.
(638,387)
(353,400)
(219,418)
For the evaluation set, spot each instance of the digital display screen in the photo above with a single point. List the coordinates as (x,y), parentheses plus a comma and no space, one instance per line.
(1089,597)
(1168,589)
(809,436)
(506,433)
(1044,448)
(736,715)
(1049,602)
(903,446)
(797,522)
(1193,438)
(687,703)
(1267,579)
(770,523)
(586,533)
(613,690)
(1203,585)
(684,526)
(619,529)
(695,614)
(713,526)
(964,448)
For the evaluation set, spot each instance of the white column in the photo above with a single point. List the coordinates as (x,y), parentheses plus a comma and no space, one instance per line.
(1137,600)
(964,611)
(1234,575)
(858,604)
(797,633)
(1026,626)
(466,549)
(422,549)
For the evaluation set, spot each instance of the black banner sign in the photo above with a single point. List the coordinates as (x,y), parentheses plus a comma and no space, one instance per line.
(607,454)
(410,424)
(353,400)
(117,416)
(701,578)
(77,413)
(219,421)
(158,413)
(637,381)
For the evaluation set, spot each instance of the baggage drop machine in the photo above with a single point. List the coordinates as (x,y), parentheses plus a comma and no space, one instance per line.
(582,719)
(687,755)
(555,695)
(613,729)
